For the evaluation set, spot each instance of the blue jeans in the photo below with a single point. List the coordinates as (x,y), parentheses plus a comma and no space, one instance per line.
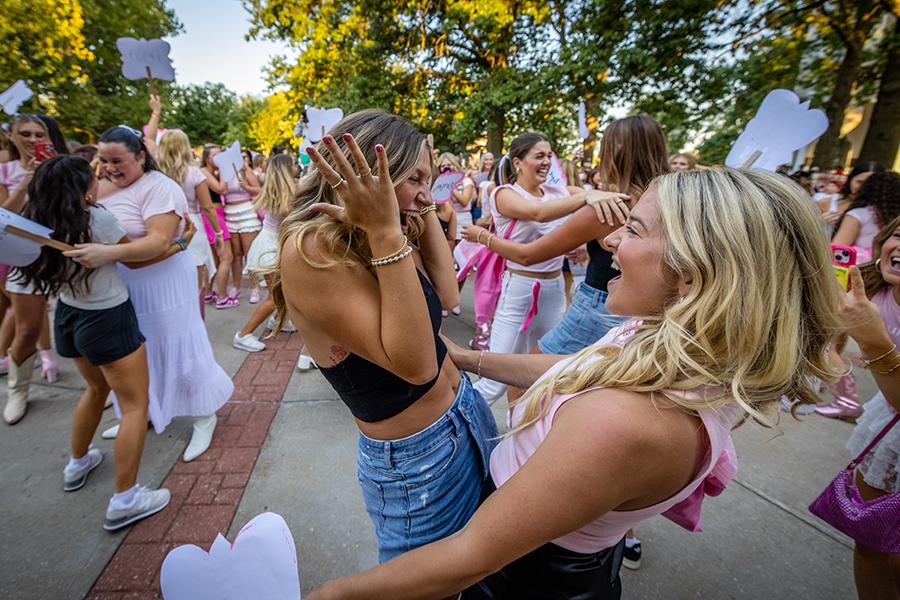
(424,487)
(585,322)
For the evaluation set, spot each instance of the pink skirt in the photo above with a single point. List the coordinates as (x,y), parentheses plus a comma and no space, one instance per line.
(210,232)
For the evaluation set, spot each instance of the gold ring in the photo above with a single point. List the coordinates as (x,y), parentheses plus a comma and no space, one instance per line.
(338,184)
(366,174)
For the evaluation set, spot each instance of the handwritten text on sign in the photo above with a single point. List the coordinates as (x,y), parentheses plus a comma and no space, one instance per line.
(442,189)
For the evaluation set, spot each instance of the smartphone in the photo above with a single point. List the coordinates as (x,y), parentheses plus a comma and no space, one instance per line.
(842,258)
(43,151)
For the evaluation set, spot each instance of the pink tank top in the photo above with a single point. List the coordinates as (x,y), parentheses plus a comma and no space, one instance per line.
(683,508)
(236,193)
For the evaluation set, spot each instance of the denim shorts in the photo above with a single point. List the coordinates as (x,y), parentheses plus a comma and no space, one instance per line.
(585,322)
(424,487)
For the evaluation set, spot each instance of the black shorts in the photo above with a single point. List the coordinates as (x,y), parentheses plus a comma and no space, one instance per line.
(101,336)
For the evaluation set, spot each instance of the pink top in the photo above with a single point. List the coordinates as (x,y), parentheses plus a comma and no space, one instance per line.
(890,312)
(868,227)
(153,194)
(12,174)
(272,222)
(466,182)
(193,178)
(236,193)
(528,231)
(683,508)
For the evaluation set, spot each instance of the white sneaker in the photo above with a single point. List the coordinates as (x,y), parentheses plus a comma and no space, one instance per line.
(306,362)
(111,433)
(248,343)
(146,502)
(201,438)
(287,328)
(75,478)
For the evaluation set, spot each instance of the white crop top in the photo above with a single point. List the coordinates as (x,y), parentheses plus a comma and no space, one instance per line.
(528,231)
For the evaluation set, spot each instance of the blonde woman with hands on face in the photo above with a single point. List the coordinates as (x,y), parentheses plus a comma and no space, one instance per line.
(364,224)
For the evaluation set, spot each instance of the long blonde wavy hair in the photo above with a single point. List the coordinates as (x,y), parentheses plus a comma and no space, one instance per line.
(174,155)
(280,188)
(760,311)
(342,243)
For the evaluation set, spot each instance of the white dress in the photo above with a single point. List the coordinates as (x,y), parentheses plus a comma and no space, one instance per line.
(185,379)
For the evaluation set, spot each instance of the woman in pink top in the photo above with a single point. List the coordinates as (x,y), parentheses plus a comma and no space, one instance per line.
(639,425)
(242,221)
(875,204)
(26,327)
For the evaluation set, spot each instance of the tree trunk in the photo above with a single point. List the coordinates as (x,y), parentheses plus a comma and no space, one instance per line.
(495,130)
(883,137)
(828,147)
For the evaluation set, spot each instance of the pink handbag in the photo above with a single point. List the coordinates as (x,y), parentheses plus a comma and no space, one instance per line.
(487,278)
(875,524)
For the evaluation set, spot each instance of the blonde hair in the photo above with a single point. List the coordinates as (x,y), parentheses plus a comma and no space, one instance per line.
(760,311)
(341,243)
(689,158)
(277,194)
(174,155)
(450,157)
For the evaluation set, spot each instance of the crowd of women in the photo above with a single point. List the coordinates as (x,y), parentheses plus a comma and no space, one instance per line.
(707,298)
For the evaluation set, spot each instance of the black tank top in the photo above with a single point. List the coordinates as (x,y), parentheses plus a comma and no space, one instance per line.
(373,393)
(599,269)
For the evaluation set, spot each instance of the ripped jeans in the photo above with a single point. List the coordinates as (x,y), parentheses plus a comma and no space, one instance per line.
(424,487)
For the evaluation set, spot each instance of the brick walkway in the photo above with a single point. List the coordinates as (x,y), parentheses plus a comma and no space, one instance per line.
(205,492)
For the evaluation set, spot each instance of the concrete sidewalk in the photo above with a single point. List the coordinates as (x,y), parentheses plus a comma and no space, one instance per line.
(758,541)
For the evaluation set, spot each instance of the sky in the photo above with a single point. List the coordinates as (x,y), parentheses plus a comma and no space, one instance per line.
(212,47)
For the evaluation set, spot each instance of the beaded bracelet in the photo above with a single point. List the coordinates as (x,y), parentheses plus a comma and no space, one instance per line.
(393,254)
(427,209)
(890,368)
(182,245)
(380,262)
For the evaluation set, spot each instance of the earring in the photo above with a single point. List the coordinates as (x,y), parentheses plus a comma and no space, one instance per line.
(878,263)
(89,197)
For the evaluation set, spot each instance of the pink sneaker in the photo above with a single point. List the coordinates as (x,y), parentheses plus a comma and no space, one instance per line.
(845,404)
(234,292)
(254,296)
(211,298)
(227,302)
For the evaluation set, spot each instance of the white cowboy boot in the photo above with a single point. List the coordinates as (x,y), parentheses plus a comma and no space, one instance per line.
(18,381)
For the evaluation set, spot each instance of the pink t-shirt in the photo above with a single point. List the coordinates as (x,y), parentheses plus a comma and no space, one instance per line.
(890,312)
(153,194)
(606,531)
(868,226)
(12,174)
(528,231)
(192,179)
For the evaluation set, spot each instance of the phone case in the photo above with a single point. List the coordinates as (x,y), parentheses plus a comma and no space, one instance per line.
(842,258)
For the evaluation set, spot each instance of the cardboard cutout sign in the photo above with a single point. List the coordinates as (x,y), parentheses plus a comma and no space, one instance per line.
(319,121)
(781,125)
(582,121)
(21,239)
(260,564)
(555,176)
(145,59)
(230,161)
(14,96)
(443,186)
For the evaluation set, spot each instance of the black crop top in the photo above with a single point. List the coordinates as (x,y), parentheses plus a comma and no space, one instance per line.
(373,393)
(599,269)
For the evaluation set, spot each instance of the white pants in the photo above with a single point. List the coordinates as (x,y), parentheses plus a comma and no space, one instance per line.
(516,298)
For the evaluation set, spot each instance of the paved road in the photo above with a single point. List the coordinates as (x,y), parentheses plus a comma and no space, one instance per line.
(758,538)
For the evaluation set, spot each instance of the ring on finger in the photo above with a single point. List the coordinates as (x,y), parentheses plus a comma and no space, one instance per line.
(366,174)
(338,184)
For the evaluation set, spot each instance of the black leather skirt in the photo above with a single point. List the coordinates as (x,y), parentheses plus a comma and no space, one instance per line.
(553,573)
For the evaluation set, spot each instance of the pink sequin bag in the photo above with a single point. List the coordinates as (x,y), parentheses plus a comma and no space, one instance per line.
(875,524)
